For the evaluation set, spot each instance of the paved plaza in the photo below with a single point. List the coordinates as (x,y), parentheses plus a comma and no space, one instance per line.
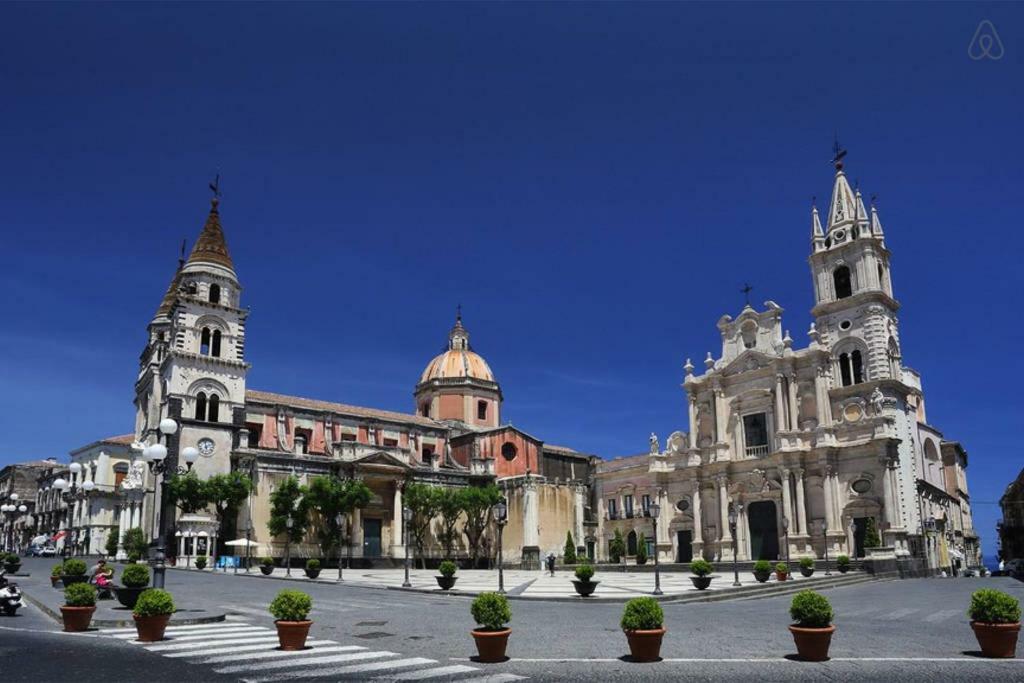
(911,630)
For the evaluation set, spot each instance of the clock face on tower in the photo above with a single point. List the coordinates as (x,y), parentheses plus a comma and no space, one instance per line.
(206,447)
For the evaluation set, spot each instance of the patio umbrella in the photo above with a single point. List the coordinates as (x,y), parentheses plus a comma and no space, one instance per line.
(241,542)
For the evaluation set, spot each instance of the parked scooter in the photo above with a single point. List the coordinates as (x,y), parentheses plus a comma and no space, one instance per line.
(10,596)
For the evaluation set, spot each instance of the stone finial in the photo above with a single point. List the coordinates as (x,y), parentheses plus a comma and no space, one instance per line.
(813,334)
(688,368)
(709,362)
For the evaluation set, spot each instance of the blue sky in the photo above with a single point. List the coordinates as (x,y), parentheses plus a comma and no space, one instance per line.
(592,182)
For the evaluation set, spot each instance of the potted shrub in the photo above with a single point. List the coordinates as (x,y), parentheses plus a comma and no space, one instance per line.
(643,624)
(807,566)
(701,570)
(290,609)
(79,604)
(152,611)
(641,549)
(73,572)
(134,580)
(12,563)
(134,557)
(491,612)
(312,568)
(267,565)
(782,571)
(201,562)
(583,583)
(55,573)
(813,629)
(995,618)
(762,570)
(447,578)
(843,563)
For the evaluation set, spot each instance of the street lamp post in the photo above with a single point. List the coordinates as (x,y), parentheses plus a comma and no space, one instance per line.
(785,533)
(15,511)
(655,509)
(733,512)
(406,518)
(155,456)
(248,545)
(501,513)
(339,520)
(288,523)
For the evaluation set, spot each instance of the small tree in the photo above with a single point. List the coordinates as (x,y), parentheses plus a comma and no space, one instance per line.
(617,547)
(112,541)
(284,501)
(228,492)
(328,497)
(425,502)
(871,536)
(135,542)
(569,554)
(450,508)
(187,492)
(641,549)
(476,503)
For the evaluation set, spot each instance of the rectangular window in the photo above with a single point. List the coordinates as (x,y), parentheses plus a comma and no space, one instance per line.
(255,432)
(346,436)
(390,442)
(627,505)
(755,432)
(645,504)
(613,512)
(428,454)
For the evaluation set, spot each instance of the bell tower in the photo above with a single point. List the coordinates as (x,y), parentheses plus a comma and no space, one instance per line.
(854,311)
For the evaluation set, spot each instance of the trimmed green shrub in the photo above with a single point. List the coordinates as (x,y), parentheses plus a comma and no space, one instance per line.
(111,544)
(843,561)
(762,566)
(993,607)
(806,563)
(810,610)
(201,562)
(152,602)
(267,561)
(701,567)
(291,605)
(641,549)
(447,569)
(569,552)
(491,611)
(11,558)
(57,570)
(782,568)
(584,572)
(871,537)
(642,614)
(135,576)
(74,568)
(313,565)
(80,595)
(135,543)
(134,556)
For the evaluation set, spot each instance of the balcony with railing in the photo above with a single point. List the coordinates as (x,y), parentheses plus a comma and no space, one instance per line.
(757,451)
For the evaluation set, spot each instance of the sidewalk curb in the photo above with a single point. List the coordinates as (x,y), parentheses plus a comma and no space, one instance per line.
(120,623)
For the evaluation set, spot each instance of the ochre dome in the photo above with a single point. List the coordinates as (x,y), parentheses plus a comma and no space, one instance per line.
(458,363)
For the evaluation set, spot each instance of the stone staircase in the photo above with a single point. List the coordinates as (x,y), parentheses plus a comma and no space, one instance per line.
(777,588)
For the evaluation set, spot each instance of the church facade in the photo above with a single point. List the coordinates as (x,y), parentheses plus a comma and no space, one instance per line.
(804,447)
(194,370)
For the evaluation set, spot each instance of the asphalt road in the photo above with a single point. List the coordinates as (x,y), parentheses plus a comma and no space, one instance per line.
(913,630)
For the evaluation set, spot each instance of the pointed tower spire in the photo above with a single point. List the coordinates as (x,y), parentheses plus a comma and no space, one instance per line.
(211,248)
(458,338)
(843,206)
(862,213)
(876,224)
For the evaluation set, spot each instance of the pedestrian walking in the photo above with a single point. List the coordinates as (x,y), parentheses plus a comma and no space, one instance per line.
(551,563)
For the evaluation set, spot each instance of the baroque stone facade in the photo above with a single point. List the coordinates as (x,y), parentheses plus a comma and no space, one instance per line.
(803,445)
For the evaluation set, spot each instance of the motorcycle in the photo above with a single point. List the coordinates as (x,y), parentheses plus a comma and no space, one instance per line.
(10,596)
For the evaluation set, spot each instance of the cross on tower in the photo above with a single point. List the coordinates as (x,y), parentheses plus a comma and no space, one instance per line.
(215,187)
(746,292)
(837,153)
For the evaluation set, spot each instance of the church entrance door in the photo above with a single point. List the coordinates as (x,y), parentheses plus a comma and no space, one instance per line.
(860,529)
(631,543)
(371,537)
(684,539)
(764,531)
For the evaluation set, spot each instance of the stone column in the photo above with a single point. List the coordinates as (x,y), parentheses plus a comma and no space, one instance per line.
(693,421)
(824,409)
(531,537)
(826,487)
(577,534)
(724,534)
(801,505)
(743,534)
(356,533)
(787,499)
(721,425)
(794,409)
(698,524)
(837,502)
(780,411)
(887,490)
(397,540)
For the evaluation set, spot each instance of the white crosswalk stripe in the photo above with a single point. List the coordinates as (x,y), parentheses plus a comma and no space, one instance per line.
(899,614)
(942,615)
(253,652)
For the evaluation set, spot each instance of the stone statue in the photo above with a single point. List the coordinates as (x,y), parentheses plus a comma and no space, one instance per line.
(135,477)
(877,398)
(655,448)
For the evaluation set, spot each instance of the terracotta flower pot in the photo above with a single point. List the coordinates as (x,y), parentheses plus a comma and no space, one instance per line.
(645,645)
(812,643)
(292,634)
(446,582)
(781,576)
(491,645)
(151,629)
(997,640)
(76,618)
(585,588)
(701,582)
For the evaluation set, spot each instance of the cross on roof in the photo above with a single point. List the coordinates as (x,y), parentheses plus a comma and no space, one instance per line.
(746,292)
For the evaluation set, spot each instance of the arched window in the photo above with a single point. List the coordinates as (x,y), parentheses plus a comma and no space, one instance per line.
(204,342)
(851,368)
(481,410)
(214,294)
(858,367)
(215,347)
(214,410)
(201,406)
(894,359)
(841,280)
(425,409)
(881,276)
(631,543)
